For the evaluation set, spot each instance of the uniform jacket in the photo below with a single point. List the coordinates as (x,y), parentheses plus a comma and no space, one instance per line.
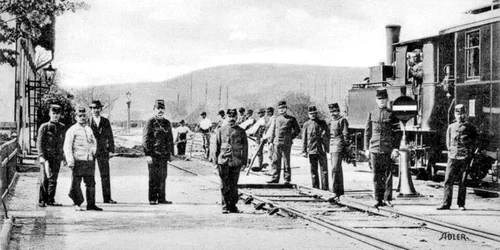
(283,129)
(231,146)
(315,137)
(380,131)
(50,140)
(104,136)
(339,132)
(157,137)
(460,140)
(79,144)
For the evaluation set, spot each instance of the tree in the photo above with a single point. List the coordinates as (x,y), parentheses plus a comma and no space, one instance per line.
(84,97)
(32,20)
(298,104)
(60,97)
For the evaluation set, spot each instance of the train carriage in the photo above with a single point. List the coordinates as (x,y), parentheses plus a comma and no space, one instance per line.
(460,65)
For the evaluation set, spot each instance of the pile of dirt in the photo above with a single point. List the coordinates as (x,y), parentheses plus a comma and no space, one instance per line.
(134,152)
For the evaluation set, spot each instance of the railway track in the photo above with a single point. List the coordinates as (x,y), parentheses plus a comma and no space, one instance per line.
(384,228)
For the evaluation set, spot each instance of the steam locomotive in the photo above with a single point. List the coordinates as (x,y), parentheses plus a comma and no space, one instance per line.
(460,65)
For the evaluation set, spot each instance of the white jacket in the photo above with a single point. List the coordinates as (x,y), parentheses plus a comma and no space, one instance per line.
(79,144)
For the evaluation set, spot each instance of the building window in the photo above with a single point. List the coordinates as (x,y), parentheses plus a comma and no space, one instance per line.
(472,50)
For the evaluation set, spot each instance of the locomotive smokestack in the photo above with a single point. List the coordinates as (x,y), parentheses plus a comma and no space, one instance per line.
(392,35)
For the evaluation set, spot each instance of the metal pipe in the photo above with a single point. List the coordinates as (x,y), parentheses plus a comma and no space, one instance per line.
(392,37)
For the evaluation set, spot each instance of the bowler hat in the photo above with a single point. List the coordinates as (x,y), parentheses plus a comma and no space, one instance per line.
(270,109)
(282,104)
(55,108)
(261,111)
(159,103)
(333,107)
(182,122)
(222,113)
(96,104)
(459,108)
(382,93)
(312,109)
(250,111)
(232,113)
(203,113)
(242,109)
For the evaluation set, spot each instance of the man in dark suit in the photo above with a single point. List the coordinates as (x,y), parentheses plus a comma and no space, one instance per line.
(101,127)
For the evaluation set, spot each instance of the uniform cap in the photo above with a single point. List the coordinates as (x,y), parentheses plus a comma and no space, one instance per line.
(232,112)
(222,113)
(382,93)
(250,111)
(242,109)
(270,109)
(261,111)
(282,104)
(459,108)
(333,106)
(55,108)
(95,104)
(203,113)
(312,109)
(159,103)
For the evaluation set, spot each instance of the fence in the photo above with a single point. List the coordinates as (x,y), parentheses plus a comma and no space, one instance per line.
(8,157)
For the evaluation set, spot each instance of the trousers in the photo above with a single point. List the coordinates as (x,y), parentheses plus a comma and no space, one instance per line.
(75,192)
(319,161)
(337,174)
(229,186)
(206,144)
(382,176)
(157,178)
(281,151)
(103,163)
(455,170)
(48,183)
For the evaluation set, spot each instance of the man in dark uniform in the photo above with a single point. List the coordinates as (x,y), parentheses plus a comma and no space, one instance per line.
(315,136)
(105,145)
(158,143)
(460,141)
(283,129)
(50,152)
(381,143)
(260,135)
(231,153)
(269,117)
(338,138)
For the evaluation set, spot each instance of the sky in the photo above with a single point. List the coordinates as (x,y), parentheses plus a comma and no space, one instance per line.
(129,41)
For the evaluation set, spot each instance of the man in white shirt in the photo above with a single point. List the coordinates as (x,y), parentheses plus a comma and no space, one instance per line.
(80,148)
(181,138)
(205,127)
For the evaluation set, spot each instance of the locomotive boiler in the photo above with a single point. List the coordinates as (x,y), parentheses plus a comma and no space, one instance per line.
(460,65)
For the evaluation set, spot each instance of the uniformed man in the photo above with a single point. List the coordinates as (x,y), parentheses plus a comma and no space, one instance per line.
(181,138)
(259,134)
(460,141)
(205,127)
(248,120)
(315,137)
(222,115)
(80,148)
(158,144)
(283,129)
(105,145)
(381,143)
(339,132)
(50,152)
(231,153)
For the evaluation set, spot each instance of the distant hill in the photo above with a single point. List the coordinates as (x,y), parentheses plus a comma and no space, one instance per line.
(238,85)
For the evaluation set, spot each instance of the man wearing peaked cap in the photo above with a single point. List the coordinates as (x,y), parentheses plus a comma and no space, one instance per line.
(381,144)
(101,127)
(50,152)
(283,129)
(339,132)
(80,148)
(258,130)
(461,139)
(158,143)
(315,147)
(205,127)
(230,153)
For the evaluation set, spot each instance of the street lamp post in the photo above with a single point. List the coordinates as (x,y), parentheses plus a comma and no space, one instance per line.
(128,110)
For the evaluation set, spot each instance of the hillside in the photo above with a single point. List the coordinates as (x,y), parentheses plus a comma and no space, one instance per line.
(238,85)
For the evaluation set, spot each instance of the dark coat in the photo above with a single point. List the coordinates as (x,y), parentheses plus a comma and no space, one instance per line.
(284,128)
(315,137)
(104,137)
(381,134)
(157,138)
(460,140)
(339,132)
(231,146)
(50,140)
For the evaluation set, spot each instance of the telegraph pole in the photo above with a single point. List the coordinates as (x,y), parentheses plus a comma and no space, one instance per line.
(191,92)
(206,91)
(220,94)
(227,96)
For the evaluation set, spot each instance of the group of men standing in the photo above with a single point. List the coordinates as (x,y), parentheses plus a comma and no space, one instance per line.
(80,146)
